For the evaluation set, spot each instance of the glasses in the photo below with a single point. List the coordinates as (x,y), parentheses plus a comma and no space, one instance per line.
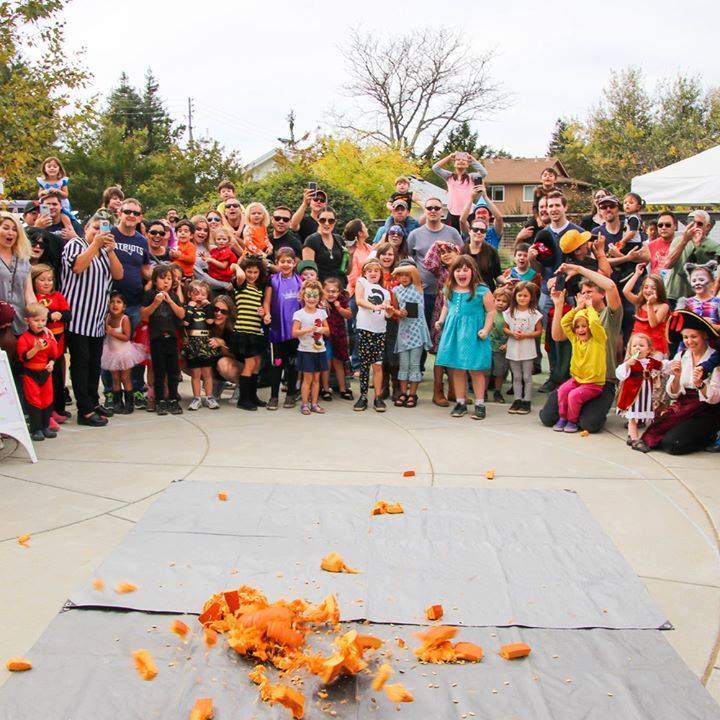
(480,230)
(699,223)
(664,225)
(156,233)
(606,206)
(231,205)
(214,219)
(222,311)
(134,213)
(327,221)
(319,199)
(279,218)
(433,208)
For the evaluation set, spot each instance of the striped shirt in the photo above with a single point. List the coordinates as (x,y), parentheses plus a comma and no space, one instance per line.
(248,299)
(87,293)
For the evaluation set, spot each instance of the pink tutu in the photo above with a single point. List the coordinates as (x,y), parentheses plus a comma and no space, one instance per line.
(121,355)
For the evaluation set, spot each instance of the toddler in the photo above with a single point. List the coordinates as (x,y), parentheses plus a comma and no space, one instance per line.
(338,312)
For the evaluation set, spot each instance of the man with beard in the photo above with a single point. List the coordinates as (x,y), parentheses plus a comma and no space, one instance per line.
(306,225)
(400,215)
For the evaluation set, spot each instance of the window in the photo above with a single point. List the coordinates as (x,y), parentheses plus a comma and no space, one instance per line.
(496,193)
(529,193)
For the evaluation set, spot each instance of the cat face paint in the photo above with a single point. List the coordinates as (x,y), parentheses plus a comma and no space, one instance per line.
(700,279)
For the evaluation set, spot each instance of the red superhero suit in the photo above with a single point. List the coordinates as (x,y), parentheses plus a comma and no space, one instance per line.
(56,302)
(36,380)
(630,387)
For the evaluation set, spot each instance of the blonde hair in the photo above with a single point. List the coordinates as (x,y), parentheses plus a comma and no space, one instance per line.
(307,285)
(37,270)
(36,309)
(647,338)
(21,247)
(257,206)
(369,263)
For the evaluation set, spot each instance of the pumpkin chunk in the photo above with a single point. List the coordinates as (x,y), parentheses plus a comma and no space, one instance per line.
(202,710)
(18,664)
(437,648)
(209,636)
(222,496)
(125,587)
(289,698)
(144,664)
(434,612)
(381,508)
(98,584)
(382,676)
(468,651)
(397,693)
(333,562)
(179,628)
(513,651)
(24,540)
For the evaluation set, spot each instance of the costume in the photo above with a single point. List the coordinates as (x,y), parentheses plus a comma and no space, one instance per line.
(284,303)
(186,259)
(121,355)
(460,347)
(56,302)
(639,380)
(338,340)
(197,350)
(221,254)
(37,383)
(248,323)
(658,334)
(434,265)
(259,243)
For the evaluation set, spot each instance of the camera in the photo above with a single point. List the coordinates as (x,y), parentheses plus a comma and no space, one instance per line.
(44,210)
(104,226)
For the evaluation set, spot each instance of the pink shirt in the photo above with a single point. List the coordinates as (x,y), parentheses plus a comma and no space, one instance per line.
(459,194)
(361,254)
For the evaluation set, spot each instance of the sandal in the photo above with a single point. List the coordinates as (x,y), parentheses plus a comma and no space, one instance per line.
(401,400)
(411,402)
(347,395)
(326,395)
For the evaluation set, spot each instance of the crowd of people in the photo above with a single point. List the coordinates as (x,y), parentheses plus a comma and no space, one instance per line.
(627,312)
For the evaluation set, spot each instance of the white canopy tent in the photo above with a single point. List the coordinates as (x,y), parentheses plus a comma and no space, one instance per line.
(694,181)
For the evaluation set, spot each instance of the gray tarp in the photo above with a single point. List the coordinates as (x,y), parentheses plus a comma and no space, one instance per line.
(490,557)
(84,671)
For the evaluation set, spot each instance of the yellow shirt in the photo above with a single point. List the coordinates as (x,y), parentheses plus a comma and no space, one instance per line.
(589,362)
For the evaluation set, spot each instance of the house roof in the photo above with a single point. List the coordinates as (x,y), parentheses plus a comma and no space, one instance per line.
(526,171)
(269,155)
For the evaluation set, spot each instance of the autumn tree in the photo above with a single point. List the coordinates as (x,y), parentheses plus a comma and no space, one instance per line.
(412,89)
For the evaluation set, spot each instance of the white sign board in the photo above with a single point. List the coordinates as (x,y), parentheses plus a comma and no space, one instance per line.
(12,418)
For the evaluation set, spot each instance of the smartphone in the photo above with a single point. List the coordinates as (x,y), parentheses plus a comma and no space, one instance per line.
(560,282)
(312,186)
(44,210)
(104,226)
(412,309)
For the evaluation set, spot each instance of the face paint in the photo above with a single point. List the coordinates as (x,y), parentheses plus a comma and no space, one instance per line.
(699,280)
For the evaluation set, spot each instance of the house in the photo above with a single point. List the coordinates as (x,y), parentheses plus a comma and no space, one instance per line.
(263,166)
(511,181)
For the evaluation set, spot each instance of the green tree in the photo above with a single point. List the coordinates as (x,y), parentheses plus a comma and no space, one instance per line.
(155,119)
(37,80)
(558,140)
(462,138)
(124,107)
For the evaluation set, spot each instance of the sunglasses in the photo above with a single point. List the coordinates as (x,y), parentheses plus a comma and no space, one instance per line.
(480,230)
(38,244)
(221,311)
(134,213)
(319,199)
(214,219)
(231,205)
(433,208)
(606,206)
(279,218)
(664,225)
(327,221)
(155,233)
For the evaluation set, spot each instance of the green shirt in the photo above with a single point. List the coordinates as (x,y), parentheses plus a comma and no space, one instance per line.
(611,320)
(497,333)
(677,284)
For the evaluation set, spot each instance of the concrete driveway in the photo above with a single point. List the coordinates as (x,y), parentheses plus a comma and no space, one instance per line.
(91,485)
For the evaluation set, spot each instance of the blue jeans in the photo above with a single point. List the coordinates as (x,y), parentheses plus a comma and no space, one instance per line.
(410,364)
(138,372)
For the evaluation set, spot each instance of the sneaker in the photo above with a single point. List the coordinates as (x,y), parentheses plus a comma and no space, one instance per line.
(498,397)
(326,395)
(459,410)
(162,408)
(524,408)
(317,409)
(559,426)
(139,400)
(515,407)
(272,404)
(379,405)
(53,424)
(212,403)
(305,409)
(479,413)
(195,404)
(174,407)
(37,436)
(151,405)
(109,397)
(571,427)
(48,433)
(60,418)
(547,387)
(347,395)
(361,404)
(510,391)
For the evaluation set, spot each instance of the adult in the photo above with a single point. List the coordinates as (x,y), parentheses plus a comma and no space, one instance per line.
(61,225)
(202,240)
(280,234)
(693,418)
(89,267)
(399,215)
(46,247)
(157,243)
(222,337)
(611,229)
(595,217)
(486,257)
(172,216)
(307,225)
(398,239)
(215,220)
(355,236)
(325,248)
(132,252)
(656,252)
(421,239)
(15,281)
(234,220)
(481,207)
(537,222)
(602,293)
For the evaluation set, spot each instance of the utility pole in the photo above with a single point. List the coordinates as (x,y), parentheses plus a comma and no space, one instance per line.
(190,112)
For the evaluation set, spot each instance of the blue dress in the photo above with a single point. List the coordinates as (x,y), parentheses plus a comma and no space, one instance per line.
(460,347)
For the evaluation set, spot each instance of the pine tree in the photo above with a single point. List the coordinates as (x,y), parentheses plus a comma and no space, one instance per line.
(125,107)
(462,139)
(558,140)
(154,117)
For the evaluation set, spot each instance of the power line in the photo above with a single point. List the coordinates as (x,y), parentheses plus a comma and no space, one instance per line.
(190,112)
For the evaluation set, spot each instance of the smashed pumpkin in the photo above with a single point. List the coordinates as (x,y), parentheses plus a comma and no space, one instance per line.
(202,710)
(98,584)
(383,508)
(18,664)
(382,676)
(434,612)
(437,648)
(397,693)
(125,587)
(513,651)
(334,562)
(179,628)
(24,540)
(144,664)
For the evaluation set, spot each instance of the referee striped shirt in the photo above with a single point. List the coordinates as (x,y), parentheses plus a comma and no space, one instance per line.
(87,292)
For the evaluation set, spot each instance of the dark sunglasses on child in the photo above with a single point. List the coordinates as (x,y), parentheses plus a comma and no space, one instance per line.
(220,310)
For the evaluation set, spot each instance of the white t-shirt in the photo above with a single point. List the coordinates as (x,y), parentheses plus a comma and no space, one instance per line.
(306,343)
(372,320)
(522,321)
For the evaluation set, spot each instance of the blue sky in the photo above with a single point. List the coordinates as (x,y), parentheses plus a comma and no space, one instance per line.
(246,64)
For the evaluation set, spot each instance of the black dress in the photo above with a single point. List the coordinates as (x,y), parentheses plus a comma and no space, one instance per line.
(197,349)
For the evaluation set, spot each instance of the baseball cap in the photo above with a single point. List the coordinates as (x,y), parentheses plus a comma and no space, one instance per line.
(320,193)
(400,204)
(31,206)
(305,264)
(609,200)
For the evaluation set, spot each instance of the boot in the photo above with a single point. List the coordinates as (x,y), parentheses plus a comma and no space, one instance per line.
(253,392)
(438,394)
(217,388)
(129,402)
(117,403)
(245,401)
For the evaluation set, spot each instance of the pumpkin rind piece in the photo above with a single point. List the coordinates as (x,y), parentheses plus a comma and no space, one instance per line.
(289,698)
(513,651)
(179,628)
(434,612)
(18,664)
(397,693)
(144,664)
(222,496)
(382,676)
(470,652)
(125,587)
(202,710)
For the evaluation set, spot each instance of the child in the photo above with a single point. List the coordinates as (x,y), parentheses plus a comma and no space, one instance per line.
(338,312)
(112,199)
(226,190)
(498,343)
(548,178)
(374,307)
(221,257)
(280,303)
(177,281)
(652,309)
(307,270)
(163,311)
(639,375)
(37,350)
(523,324)
(43,279)
(705,302)
(412,335)
(521,271)
(255,235)
(459,183)
(198,352)
(184,252)
(466,321)
(120,354)
(309,327)
(386,253)
(53,178)
(587,365)
(249,284)
(402,192)
(632,238)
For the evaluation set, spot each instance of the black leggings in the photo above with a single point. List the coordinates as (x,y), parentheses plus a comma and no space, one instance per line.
(58,381)
(371,351)
(166,366)
(284,356)
(592,415)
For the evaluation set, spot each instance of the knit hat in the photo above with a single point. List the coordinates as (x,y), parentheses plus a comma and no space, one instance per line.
(573,239)
(396,230)
(305,264)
